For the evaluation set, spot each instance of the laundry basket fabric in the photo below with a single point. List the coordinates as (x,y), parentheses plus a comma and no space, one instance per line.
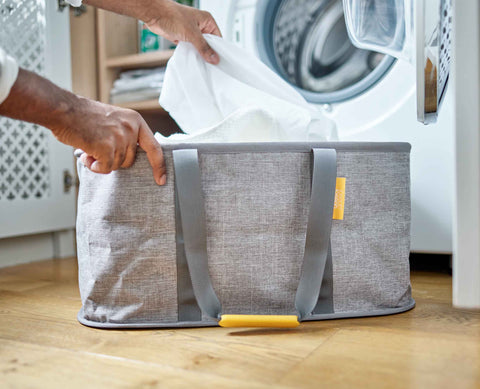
(246,229)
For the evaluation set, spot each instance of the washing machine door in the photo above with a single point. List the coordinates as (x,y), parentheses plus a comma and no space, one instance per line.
(307,43)
(418,31)
(433,29)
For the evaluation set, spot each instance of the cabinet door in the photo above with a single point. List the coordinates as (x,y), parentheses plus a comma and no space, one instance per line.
(33,165)
(466,76)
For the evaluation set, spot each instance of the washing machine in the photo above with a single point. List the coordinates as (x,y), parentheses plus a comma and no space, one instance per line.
(371,96)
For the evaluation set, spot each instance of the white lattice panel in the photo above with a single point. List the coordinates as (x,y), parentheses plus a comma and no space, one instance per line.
(24,172)
(446,26)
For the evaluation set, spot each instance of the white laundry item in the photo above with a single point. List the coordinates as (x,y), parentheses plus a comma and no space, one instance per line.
(123,85)
(137,73)
(8,74)
(135,95)
(248,124)
(139,78)
(200,96)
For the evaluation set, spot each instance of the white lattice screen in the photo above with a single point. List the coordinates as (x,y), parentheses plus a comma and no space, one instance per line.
(24,172)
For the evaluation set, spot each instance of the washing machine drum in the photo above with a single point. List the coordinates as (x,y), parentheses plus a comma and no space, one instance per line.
(307,43)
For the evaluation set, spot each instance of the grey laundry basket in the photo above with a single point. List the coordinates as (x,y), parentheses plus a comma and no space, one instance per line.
(246,229)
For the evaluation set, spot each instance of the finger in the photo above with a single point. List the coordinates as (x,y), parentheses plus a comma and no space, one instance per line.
(214,28)
(103,165)
(130,156)
(204,48)
(147,142)
(87,160)
(119,157)
(208,25)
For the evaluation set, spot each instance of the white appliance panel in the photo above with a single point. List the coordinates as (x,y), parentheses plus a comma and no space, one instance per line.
(386,112)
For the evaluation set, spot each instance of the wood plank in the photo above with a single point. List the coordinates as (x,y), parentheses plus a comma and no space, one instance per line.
(84,54)
(143,60)
(61,270)
(433,345)
(203,350)
(24,365)
(50,321)
(120,34)
(144,106)
(390,358)
(105,77)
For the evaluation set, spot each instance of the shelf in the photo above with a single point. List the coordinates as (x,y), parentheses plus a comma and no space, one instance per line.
(117,50)
(144,106)
(151,59)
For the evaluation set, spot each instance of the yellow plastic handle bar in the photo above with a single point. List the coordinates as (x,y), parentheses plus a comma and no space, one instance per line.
(272,321)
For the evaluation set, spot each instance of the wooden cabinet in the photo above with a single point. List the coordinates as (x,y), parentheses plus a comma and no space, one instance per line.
(114,45)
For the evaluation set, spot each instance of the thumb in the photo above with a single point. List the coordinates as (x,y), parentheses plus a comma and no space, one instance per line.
(204,48)
(147,142)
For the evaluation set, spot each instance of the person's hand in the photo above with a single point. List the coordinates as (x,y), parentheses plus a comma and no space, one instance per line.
(169,19)
(108,136)
(177,23)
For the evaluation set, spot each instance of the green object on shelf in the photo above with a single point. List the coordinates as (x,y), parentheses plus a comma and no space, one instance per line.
(148,40)
(191,3)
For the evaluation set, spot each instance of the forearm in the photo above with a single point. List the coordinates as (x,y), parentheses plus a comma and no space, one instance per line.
(137,9)
(37,100)
(108,135)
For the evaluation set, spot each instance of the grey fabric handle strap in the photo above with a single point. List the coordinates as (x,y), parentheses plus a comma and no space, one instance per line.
(317,241)
(192,216)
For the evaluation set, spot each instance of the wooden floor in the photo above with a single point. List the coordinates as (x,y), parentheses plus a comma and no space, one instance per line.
(42,345)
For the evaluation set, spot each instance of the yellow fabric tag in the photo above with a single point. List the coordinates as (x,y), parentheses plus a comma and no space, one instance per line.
(339,204)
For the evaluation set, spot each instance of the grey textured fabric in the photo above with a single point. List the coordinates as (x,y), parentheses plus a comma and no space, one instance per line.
(125,227)
(190,208)
(370,247)
(256,208)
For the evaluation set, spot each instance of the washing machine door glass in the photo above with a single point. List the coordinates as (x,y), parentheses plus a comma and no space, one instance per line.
(395,27)
(307,43)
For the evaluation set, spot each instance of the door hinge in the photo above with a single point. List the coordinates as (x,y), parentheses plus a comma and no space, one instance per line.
(62,4)
(77,11)
(68,181)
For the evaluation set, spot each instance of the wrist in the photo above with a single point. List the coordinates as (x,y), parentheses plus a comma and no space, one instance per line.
(151,11)
(147,10)
(144,10)
(73,115)
(66,114)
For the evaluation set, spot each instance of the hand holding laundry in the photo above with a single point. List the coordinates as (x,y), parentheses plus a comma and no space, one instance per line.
(169,19)
(238,100)
(179,23)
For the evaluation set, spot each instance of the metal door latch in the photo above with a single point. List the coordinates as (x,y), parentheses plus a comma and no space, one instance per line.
(77,11)
(68,181)
(62,4)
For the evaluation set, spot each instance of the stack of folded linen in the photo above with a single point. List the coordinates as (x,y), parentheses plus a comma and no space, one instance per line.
(137,85)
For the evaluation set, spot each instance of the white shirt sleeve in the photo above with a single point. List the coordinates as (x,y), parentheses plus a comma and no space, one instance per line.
(75,3)
(8,74)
